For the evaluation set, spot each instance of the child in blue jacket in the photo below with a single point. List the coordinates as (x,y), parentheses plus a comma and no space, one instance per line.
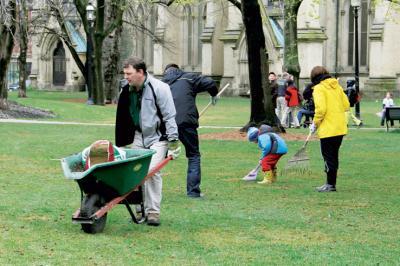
(272,146)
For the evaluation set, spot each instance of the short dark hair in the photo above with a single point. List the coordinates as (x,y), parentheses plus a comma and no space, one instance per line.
(271,73)
(171,65)
(318,70)
(136,62)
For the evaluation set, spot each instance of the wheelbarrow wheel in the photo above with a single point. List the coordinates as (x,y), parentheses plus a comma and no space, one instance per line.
(90,205)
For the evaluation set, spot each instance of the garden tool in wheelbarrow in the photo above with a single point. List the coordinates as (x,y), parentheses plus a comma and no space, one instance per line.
(300,162)
(109,183)
(211,102)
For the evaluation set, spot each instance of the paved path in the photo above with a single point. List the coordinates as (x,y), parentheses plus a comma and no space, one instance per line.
(46,122)
(23,121)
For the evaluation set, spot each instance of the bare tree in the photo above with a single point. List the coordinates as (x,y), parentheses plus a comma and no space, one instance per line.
(261,106)
(101,31)
(7,30)
(108,19)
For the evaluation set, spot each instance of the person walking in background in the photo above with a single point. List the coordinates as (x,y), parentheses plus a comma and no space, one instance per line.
(273,86)
(386,102)
(281,105)
(329,121)
(146,119)
(273,148)
(185,87)
(293,100)
(274,93)
(353,98)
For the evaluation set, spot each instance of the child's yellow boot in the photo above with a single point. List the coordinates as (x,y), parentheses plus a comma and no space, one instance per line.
(274,175)
(268,178)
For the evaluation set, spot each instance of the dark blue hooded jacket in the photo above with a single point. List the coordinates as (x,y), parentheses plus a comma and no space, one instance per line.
(184,87)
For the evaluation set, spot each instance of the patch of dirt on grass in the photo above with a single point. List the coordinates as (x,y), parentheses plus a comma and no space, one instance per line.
(17,110)
(239,136)
(75,100)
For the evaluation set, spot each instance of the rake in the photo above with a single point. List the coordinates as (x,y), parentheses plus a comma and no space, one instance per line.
(300,162)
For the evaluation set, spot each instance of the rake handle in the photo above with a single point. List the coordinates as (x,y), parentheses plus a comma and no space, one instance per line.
(209,104)
(307,139)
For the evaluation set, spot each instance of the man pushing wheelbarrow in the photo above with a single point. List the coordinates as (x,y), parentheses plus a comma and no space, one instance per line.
(146,119)
(108,175)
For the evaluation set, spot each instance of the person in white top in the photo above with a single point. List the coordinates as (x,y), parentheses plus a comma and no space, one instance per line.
(386,102)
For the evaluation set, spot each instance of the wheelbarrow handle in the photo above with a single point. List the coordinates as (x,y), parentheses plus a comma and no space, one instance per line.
(157,168)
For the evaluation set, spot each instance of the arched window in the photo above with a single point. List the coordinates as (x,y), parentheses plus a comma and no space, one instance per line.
(59,65)
(243,75)
(193,23)
(362,34)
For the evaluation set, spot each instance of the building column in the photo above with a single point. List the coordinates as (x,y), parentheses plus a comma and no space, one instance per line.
(311,38)
(159,53)
(383,67)
(230,38)
(207,62)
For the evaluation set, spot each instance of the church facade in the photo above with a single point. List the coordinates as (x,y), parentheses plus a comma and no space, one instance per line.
(208,37)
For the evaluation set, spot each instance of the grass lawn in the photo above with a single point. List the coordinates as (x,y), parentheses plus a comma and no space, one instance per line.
(236,223)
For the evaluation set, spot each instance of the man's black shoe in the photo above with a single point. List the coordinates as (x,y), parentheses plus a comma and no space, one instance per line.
(326,188)
(196,196)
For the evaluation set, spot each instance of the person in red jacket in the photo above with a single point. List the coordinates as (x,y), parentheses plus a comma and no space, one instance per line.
(292,98)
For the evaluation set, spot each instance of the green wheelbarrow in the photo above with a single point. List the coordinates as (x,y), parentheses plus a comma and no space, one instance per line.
(105,185)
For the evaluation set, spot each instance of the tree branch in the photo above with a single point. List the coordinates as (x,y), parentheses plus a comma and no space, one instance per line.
(236,3)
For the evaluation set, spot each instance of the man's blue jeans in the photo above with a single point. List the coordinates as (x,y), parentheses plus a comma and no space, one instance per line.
(307,113)
(190,139)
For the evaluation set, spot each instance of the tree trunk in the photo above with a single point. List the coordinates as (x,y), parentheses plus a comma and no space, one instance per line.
(291,55)
(261,105)
(98,90)
(111,72)
(7,31)
(270,116)
(113,56)
(89,66)
(23,46)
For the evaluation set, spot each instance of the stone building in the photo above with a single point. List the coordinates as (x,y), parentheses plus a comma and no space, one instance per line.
(208,37)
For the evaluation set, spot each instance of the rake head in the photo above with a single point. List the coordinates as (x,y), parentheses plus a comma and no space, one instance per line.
(300,162)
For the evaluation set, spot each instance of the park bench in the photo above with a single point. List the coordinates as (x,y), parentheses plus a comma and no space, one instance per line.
(392,113)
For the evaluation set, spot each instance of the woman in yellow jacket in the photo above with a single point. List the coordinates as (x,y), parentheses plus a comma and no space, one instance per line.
(329,121)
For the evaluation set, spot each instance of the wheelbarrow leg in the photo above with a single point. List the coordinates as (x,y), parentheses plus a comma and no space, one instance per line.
(138,216)
(134,218)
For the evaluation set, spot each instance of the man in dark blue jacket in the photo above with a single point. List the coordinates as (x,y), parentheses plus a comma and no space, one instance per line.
(184,87)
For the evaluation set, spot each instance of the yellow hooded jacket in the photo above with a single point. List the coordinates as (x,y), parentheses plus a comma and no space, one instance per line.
(331,105)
